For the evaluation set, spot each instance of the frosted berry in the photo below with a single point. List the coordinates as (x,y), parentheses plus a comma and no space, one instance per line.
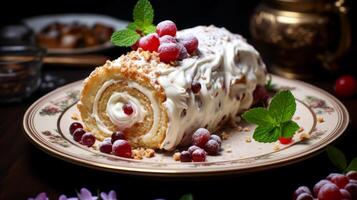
(74,127)
(195,87)
(345,194)
(199,155)
(200,137)
(169,52)
(135,46)
(305,196)
(122,148)
(301,190)
(212,147)
(329,177)
(183,52)
(78,133)
(105,146)
(185,156)
(284,140)
(88,139)
(318,186)
(217,139)
(352,189)
(190,42)
(167,39)
(345,86)
(149,42)
(352,175)
(128,109)
(192,148)
(166,27)
(117,135)
(329,191)
(340,180)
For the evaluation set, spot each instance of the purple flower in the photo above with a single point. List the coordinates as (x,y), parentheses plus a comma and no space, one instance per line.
(41,196)
(110,196)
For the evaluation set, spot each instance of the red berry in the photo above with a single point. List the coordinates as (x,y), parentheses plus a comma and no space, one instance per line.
(212,147)
(105,147)
(345,194)
(169,52)
(185,156)
(340,180)
(78,133)
(345,86)
(135,46)
(74,127)
(200,137)
(305,196)
(318,186)
(195,87)
(190,42)
(117,135)
(217,139)
(149,42)
(167,39)
(352,175)
(301,190)
(192,148)
(329,177)
(183,52)
(166,27)
(352,189)
(122,148)
(284,140)
(88,139)
(199,155)
(329,192)
(128,109)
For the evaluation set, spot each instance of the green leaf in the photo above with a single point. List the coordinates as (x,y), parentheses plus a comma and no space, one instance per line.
(282,106)
(132,26)
(125,38)
(149,28)
(266,134)
(337,157)
(187,197)
(289,128)
(352,166)
(259,116)
(143,13)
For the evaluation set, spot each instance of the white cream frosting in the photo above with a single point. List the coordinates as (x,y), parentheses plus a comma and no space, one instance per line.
(226,66)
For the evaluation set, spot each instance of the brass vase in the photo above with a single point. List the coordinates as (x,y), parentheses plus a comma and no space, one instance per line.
(299,38)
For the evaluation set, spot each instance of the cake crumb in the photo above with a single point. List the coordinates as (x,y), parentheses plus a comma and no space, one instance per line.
(224,135)
(304,136)
(301,129)
(136,154)
(297,118)
(320,119)
(149,153)
(246,129)
(176,156)
(239,128)
(228,150)
(276,147)
(75,116)
(248,139)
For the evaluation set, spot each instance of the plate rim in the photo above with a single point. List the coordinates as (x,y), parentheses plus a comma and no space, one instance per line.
(340,128)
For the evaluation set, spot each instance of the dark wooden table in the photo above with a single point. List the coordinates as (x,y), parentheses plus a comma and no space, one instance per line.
(26,170)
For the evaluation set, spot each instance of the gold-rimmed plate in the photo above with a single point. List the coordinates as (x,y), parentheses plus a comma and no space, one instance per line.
(321,117)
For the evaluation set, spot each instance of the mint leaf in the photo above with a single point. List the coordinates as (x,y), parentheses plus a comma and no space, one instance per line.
(125,38)
(266,134)
(148,28)
(132,26)
(259,116)
(143,13)
(187,197)
(289,128)
(282,106)
(352,166)
(337,157)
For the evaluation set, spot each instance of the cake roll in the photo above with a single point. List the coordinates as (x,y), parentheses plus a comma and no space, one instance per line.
(168,102)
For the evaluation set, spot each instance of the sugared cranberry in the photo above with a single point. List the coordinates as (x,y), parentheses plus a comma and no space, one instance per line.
(149,42)
(352,175)
(217,139)
(284,140)
(318,186)
(329,177)
(169,52)
(192,148)
(122,148)
(105,146)
(212,147)
(195,87)
(190,42)
(345,86)
(88,139)
(185,156)
(166,27)
(305,196)
(109,139)
(135,46)
(74,127)
(128,109)
(167,39)
(78,133)
(352,189)
(340,180)
(329,191)
(183,51)
(199,155)
(345,194)
(200,137)
(301,190)
(117,135)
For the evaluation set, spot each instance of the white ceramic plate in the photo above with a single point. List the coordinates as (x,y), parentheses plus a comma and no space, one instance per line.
(37,23)
(321,115)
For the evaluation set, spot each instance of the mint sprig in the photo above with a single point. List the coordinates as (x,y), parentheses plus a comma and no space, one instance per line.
(338,158)
(143,17)
(274,122)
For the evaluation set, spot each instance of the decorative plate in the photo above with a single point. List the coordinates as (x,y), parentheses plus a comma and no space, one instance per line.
(37,24)
(321,117)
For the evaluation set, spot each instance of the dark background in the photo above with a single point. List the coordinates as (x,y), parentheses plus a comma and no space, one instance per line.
(26,171)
